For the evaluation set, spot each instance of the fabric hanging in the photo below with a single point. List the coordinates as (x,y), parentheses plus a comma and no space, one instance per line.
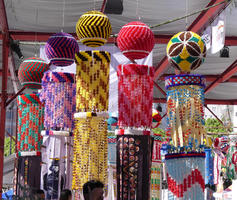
(135,92)
(186,179)
(185,113)
(133,166)
(92,81)
(231,171)
(54,163)
(30,124)
(58,93)
(28,180)
(209,173)
(90,151)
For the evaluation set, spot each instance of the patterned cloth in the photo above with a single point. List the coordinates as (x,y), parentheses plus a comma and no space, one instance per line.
(135,91)
(30,122)
(92,81)
(133,167)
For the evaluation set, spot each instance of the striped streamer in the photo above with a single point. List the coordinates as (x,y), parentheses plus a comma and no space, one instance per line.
(93,28)
(58,93)
(30,122)
(92,81)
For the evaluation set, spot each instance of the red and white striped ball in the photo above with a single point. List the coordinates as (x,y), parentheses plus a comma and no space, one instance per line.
(135,40)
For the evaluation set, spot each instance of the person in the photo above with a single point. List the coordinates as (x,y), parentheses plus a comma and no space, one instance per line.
(93,190)
(40,194)
(65,195)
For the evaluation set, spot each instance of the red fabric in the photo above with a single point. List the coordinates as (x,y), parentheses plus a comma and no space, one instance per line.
(134,38)
(135,94)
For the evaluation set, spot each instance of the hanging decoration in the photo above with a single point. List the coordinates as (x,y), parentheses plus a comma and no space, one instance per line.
(133,165)
(185,101)
(93,29)
(135,40)
(90,149)
(135,93)
(31,72)
(58,93)
(186,51)
(156,165)
(30,124)
(186,179)
(61,48)
(232,158)
(209,173)
(92,81)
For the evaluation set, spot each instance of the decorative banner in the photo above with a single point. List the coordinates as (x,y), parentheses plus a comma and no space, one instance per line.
(30,123)
(28,175)
(135,89)
(90,151)
(185,113)
(133,167)
(59,95)
(92,81)
(112,150)
(155,181)
(185,175)
(55,173)
(209,173)
(232,158)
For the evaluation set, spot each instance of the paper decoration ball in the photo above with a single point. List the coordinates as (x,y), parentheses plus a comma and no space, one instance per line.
(31,72)
(93,29)
(135,40)
(61,48)
(186,51)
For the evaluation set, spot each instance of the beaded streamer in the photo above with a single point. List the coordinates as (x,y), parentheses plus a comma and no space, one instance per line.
(92,81)
(186,179)
(30,122)
(133,167)
(156,169)
(135,92)
(185,113)
(90,148)
(58,93)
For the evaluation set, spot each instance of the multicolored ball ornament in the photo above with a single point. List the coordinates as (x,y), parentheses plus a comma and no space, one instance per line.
(135,40)
(186,51)
(61,48)
(31,72)
(93,28)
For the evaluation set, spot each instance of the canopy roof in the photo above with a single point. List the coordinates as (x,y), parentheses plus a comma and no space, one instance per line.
(33,21)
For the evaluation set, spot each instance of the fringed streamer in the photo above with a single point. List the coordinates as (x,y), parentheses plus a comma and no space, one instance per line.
(90,151)
(155,181)
(186,179)
(30,122)
(186,114)
(59,94)
(133,166)
(135,92)
(92,81)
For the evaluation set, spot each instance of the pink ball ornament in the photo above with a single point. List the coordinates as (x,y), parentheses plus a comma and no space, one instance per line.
(135,40)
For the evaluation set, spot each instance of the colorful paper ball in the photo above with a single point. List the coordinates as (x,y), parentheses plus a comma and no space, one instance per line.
(186,51)
(135,40)
(61,48)
(31,72)
(93,29)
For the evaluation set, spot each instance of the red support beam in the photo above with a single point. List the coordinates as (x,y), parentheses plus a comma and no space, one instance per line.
(159,88)
(207,101)
(198,25)
(214,115)
(209,78)
(230,71)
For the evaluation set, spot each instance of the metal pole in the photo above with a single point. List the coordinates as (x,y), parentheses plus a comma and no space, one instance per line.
(5,53)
